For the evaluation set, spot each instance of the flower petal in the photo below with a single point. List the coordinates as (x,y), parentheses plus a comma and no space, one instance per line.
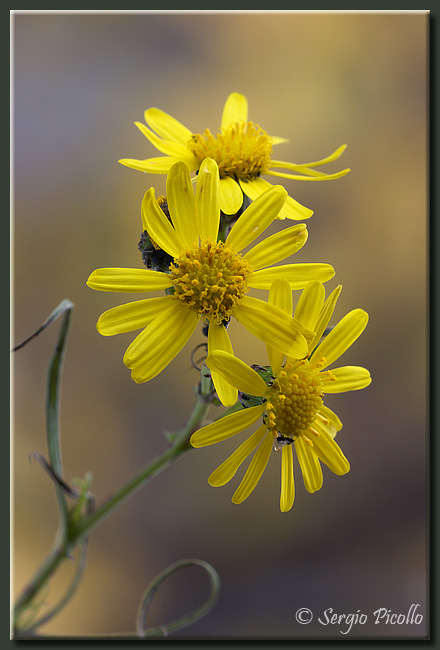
(298,275)
(287,482)
(158,165)
(236,372)
(310,304)
(330,453)
(276,139)
(256,218)
(316,177)
(277,247)
(231,196)
(166,126)
(208,200)
(294,210)
(131,316)
(226,427)
(158,226)
(325,315)
(158,344)
(218,340)
(255,470)
(290,210)
(181,204)
(342,336)
(323,161)
(170,148)
(348,378)
(333,419)
(280,296)
(128,280)
(228,468)
(327,427)
(310,466)
(234,110)
(273,326)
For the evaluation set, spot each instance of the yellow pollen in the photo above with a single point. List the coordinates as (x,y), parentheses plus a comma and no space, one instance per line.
(211,279)
(295,399)
(241,150)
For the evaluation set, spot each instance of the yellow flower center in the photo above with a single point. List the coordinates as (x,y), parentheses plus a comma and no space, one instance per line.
(241,150)
(211,279)
(293,401)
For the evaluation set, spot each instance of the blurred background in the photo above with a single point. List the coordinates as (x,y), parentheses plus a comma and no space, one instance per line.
(80,80)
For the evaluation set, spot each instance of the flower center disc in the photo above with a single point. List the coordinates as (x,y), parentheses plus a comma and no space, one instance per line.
(242,150)
(294,400)
(211,279)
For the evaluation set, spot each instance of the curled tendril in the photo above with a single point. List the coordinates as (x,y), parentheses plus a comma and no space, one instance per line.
(64,305)
(53,475)
(194,363)
(187,619)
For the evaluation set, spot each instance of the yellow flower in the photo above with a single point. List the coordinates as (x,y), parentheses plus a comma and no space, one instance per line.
(242,150)
(210,278)
(290,401)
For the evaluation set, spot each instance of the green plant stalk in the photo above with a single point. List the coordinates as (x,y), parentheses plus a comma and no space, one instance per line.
(64,546)
(171,453)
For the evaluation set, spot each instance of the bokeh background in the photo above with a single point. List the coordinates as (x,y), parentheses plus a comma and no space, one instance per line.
(80,80)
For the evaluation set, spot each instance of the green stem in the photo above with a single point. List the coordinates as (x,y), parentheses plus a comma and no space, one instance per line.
(81,531)
(171,453)
(47,569)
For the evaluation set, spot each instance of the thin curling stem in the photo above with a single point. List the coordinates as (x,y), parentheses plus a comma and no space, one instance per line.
(187,619)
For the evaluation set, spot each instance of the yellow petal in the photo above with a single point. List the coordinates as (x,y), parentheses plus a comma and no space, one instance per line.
(227,470)
(234,110)
(158,165)
(290,210)
(277,247)
(325,426)
(218,340)
(128,280)
(342,336)
(287,482)
(330,453)
(276,139)
(323,161)
(255,470)
(231,196)
(280,295)
(317,177)
(160,341)
(348,378)
(131,316)
(333,419)
(298,275)
(310,304)
(256,218)
(236,372)
(158,226)
(325,315)
(166,126)
(170,148)
(208,200)
(294,210)
(226,427)
(273,326)
(181,204)
(254,188)
(310,466)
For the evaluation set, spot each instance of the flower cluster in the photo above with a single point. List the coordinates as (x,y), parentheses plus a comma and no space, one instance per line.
(200,248)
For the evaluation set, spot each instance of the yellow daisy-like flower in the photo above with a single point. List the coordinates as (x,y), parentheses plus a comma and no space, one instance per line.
(210,278)
(290,401)
(242,150)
